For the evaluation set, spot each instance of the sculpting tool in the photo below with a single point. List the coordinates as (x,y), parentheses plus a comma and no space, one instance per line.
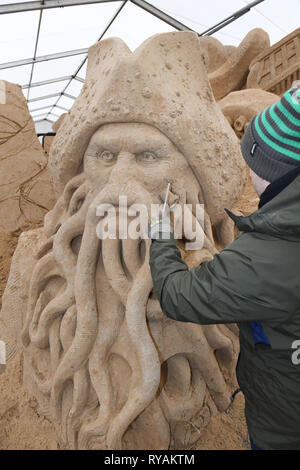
(166,199)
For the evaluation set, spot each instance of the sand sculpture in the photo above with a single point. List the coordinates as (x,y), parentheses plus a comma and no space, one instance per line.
(25,190)
(239,107)
(228,66)
(48,139)
(277,67)
(104,363)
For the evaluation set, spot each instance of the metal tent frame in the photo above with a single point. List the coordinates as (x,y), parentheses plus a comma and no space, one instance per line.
(42,5)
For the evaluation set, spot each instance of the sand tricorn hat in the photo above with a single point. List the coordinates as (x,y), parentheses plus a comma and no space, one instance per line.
(163,83)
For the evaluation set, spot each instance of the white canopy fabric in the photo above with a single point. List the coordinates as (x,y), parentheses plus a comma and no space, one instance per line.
(50,86)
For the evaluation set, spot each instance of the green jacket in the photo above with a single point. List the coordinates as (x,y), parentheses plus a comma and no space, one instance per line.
(255,278)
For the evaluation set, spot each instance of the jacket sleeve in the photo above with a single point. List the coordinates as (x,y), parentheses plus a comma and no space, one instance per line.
(227,289)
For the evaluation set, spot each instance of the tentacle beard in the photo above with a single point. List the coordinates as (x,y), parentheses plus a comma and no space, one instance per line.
(90,310)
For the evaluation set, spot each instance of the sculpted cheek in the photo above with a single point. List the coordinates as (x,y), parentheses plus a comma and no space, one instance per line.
(95,172)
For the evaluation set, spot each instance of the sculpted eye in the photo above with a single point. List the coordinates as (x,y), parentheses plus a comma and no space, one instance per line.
(148,157)
(107,156)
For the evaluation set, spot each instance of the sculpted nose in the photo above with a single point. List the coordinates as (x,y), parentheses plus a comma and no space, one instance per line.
(124,166)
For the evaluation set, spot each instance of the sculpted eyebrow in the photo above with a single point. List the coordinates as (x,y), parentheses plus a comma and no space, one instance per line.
(151,145)
(133,142)
(112,143)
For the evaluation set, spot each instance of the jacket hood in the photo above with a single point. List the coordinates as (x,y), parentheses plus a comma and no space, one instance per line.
(278,217)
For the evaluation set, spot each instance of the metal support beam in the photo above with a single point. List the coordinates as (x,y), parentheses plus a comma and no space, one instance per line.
(57,55)
(47,82)
(42,120)
(48,107)
(53,114)
(46,4)
(161,15)
(78,79)
(230,19)
(42,134)
(61,107)
(40,109)
(43,97)
(35,51)
(39,115)
(51,96)
(67,95)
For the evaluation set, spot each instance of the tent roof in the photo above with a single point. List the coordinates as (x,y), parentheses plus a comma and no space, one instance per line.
(44,43)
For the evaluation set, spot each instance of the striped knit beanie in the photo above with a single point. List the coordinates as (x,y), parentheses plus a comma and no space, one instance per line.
(271,143)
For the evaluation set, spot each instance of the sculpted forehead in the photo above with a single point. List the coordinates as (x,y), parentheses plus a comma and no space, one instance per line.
(130,135)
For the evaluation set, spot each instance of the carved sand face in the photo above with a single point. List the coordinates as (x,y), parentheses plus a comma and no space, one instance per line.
(139,153)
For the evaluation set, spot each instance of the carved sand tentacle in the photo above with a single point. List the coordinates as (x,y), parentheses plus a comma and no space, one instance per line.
(87,311)
(231,330)
(219,342)
(184,391)
(39,328)
(71,187)
(77,198)
(81,383)
(131,256)
(81,378)
(62,249)
(47,246)
(68,327)
(43,271)
(44,386)
(55,345)
(193,222)
(54,219)
(194,200)
(209,368)
(43,300)
(110,327)
(146,380)
(215,338)
(100,378)
(62,256)
(114,269)
(66,258)
(225,231)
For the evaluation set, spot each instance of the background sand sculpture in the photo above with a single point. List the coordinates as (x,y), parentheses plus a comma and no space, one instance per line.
(239,107)
(277,67)
(25,190)
(92,332)
(228,66)
(48,139)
